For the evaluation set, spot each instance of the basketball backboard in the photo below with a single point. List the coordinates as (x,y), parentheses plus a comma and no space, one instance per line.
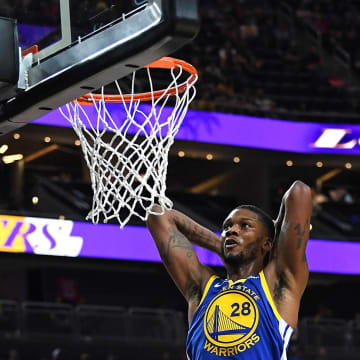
(84,44)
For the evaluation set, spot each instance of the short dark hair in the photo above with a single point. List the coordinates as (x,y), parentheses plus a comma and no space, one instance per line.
(263,217)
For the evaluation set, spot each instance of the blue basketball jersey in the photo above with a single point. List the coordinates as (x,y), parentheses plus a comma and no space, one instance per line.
(237,320)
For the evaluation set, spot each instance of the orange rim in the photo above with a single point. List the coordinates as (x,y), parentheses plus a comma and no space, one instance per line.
(163,63)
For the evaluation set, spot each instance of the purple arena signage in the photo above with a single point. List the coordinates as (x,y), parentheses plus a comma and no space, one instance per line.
(244,131)
(80,239)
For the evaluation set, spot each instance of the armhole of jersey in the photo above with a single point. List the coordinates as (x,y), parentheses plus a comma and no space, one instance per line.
(207,287)
(268,295)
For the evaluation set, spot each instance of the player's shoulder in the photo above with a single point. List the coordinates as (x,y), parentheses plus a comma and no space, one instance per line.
(208,278)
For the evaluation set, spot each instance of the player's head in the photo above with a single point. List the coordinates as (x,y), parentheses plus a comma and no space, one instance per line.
(247,236)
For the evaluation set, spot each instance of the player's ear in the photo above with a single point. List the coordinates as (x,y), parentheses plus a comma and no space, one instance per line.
(267,244)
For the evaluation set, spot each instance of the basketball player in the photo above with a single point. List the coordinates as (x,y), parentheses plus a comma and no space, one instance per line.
(252,313)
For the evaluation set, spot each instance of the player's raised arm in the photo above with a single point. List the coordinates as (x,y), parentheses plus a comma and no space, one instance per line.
(173,233)
(292,232)
(288,270)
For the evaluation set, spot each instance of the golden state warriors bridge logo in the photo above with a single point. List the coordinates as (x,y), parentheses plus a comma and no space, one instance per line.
(230,322)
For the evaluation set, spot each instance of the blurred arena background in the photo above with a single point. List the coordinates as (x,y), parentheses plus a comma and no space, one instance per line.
(290,60)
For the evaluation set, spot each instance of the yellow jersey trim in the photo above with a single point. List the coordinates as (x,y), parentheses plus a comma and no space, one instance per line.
(268,295)
(207,287)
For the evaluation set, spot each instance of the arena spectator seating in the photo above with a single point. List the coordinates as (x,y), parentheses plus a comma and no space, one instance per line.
(263,68)
(47,326)
(91,327)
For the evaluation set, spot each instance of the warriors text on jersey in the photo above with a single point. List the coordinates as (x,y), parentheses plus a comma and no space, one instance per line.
(237,320)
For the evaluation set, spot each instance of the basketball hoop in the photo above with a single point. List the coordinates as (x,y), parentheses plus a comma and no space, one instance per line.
(126,147)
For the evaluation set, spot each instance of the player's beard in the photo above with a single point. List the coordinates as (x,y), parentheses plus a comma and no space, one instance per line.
(234,260)
(240,258)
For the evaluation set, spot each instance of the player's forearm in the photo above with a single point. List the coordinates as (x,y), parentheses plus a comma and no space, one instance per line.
(293,223)
(280,217)
(296,190)
(194,232)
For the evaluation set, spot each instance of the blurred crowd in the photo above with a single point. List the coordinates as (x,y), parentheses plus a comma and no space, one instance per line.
(252,61)
(336,21)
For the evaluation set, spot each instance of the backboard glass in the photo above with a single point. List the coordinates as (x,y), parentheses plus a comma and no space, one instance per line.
(84,44)
(54,25)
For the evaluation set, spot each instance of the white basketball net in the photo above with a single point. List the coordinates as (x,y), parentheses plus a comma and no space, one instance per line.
(128,157)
